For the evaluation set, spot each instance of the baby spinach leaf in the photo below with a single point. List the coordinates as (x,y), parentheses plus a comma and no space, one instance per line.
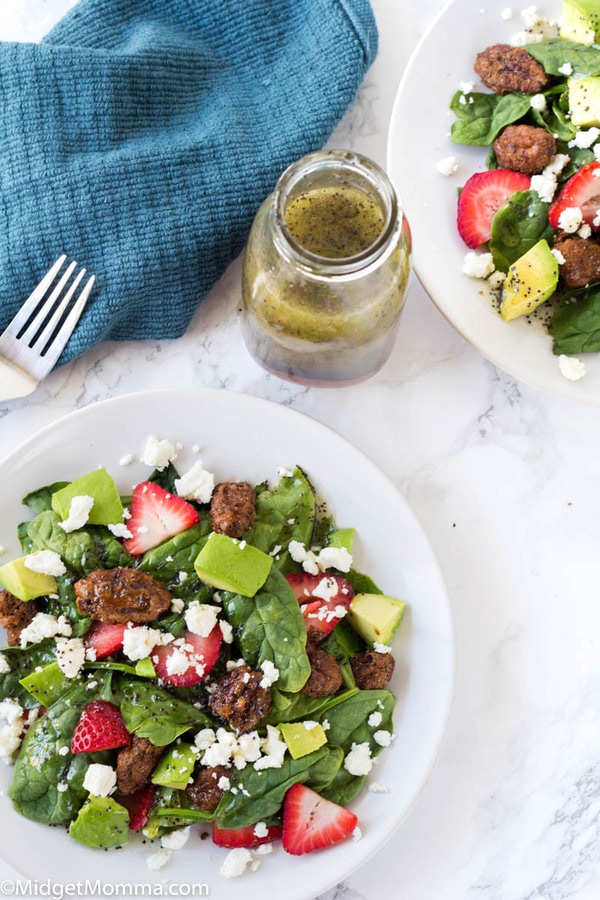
(82,551)
(343,787)
(481,117)
(517,226)
(260,794)
(40,768)
(284,513)
(153,713)
(165,478)
(324,771)
(298,706)
(23,661)
(361,584)
(178,554)
(553,54)
(48,684)
(348,720)
(575,325)
(173,809)
(270,626)
(64,604)
(41,499)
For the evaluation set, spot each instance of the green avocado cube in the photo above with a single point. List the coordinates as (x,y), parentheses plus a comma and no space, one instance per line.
(175,768)
(302,737)
(107,508)
(20,581)
(580,21)
(584,101)
(531,280)
(101,823)
(343,538)
(232,565)
(376,617)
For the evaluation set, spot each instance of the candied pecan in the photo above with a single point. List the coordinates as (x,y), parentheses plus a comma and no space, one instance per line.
(135,764)
(120,595)
(240,700)
(204,791)
(581,264)
(524,148)
(15,615)
(233,508)
(506,70)
(326,676)
(372,671)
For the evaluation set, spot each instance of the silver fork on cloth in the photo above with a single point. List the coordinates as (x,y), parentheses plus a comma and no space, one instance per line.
(36,337)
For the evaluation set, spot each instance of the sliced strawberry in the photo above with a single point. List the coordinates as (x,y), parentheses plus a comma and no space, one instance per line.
(138,805)
(100,727)
(323,598)
(200,653)
(481,198)
(310,822)
(246,836)
(581,191)
(104,639)
(156,515)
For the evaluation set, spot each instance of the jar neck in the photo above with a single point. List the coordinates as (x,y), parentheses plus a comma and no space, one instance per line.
(338,169)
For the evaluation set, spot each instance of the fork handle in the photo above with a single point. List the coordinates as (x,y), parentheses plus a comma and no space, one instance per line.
(14,382)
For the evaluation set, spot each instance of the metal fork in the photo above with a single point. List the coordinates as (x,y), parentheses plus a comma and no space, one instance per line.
(36,337)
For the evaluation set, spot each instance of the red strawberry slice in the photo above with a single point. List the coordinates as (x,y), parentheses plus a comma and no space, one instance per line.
(201,653)
(322,598)
(481,198)
(246,836)
(104,639)
(100,727)
(156,515)
(310,822)
(581,191)
(138,805)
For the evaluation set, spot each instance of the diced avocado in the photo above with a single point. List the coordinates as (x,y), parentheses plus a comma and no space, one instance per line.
(531,280)
(376,617)
(145,668)
(101,823)
(176,766)
(584,100)
(232,565)
(20,581)
(107,508)
(302,740)
(580,21)
(48,684)
(343,537)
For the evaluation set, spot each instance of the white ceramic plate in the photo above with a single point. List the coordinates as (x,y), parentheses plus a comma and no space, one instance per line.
(418,139)
(246,437)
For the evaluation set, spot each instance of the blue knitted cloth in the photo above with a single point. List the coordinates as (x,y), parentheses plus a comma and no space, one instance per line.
(141,136)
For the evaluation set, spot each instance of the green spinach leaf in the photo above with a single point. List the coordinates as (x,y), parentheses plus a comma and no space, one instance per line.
(518,226)
(41,499)
(348,720)
(284,513)
(155,714)
(575,325)
(178,554)
(82,551)
(23,661)
(481,117)
(553,54)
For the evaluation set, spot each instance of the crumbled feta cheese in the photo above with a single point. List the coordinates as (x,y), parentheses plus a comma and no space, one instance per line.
(201,618)
(260,830)
(140,640)
(383,738)
(178,660)
(196,484)
(538,101)
(356,834)
(566,69)
(557,163)
(374,719)
(158,453)
(544,185)
(381,648)
(585,231)
(558,256)
(120,530)
(4,664)
(100,780)
(70,655)
(263,849)
(506,14)
(271,673)
(46,562)
(358,761)
(126,460)
(159,859)
(175,840)
(177,605)
(282,472)
(376,787)
(478,265)
(224,783)
(334,558)
(585,138)
(63,751)
(570,219)
(235,862)
(273,748)
(79,513)
(226,630)
(204,738)
(62,787)
(447,166)
(12,723)
(571,367)
(43,625)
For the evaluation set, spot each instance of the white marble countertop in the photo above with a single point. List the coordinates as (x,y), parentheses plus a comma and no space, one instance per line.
(506,483)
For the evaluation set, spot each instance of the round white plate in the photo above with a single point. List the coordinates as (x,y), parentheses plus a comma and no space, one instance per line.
(418,139)
(248,438)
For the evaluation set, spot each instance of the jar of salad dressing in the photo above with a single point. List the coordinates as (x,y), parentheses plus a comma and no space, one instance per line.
(325,271)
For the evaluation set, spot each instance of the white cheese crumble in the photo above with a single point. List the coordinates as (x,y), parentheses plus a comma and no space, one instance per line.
(570,219)
(447,166)
(196,484)
(44,625)
(566,69)
(538,101)
(274,749)
(558,256)
(376,787)
(381,648)
(374,719)
(175,840)
(177,605)
(201,618)
(226,630)
(100,780)
(158,453)
(140,640)
(45,562)
(327,558)
(236,862)
(120,530)
(356,834)
(571,367)
(12,723)
(506,14)
(4,664)
(159,859)
(260,830)
(271,673)
(478,265)
(358,761)
(126,460)
(585,138)
(383,738)
(79,513)
(70,655)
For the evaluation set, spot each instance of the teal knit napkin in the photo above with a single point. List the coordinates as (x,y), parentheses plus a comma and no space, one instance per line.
(141,136)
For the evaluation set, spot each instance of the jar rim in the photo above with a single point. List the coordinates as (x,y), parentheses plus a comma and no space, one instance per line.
(341,161)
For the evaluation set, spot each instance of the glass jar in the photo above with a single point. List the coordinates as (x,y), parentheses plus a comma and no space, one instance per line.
(325,271)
